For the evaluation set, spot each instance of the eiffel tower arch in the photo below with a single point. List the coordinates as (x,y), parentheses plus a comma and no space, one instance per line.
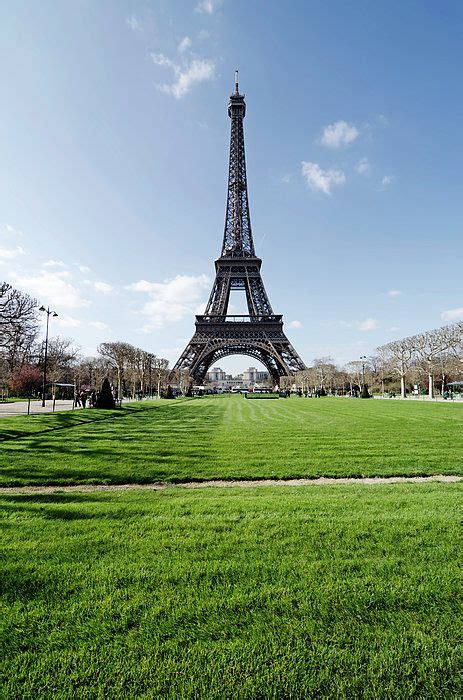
(258,334)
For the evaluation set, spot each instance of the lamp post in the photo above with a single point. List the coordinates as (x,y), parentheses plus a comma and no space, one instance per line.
(363,358)
(49,313)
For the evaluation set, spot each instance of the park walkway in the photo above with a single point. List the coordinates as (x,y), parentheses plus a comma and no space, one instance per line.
(19,408)
(245,483)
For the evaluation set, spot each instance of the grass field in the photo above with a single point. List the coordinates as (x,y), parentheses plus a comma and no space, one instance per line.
(229,437)
(344,591)
(341,591)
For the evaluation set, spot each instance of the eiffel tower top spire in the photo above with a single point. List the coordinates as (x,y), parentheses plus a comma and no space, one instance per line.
(237,239)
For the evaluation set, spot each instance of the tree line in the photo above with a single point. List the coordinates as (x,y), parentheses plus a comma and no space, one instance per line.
(131,370)
(430,359)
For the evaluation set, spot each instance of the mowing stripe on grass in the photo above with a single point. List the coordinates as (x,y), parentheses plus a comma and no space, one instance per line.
(233,439)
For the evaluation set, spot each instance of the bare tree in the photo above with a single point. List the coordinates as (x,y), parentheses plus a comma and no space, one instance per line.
(325,371)
(18,325)
(92,370)
(398,357)
(62,358)
(160,366)
(118,353)
(354,370)
(429,346)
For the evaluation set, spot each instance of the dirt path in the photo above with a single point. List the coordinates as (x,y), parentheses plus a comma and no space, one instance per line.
(322,481)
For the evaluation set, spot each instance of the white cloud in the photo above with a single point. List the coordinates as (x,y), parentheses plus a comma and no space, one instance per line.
(171,300)
(83,269)
(394,328)
(196,71)
(51,287)
(160,60)
(319,179)
(286,178)
(184,44)
(103,287)
(208,7)
(369,324)
(395,293)
(363,166)
(133,23)
(295,324)
(339,134)
(383,120)
(68,322)
(54,263)
(99,325)
(453,314)
(8,231)
(10,253)
(387,179)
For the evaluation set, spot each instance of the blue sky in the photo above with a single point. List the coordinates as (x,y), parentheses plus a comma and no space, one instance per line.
(114,147)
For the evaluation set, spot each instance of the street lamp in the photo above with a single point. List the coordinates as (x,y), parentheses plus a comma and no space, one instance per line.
(49,313)
(363,358)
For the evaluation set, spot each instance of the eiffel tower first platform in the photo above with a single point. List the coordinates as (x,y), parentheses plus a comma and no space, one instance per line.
(260,333)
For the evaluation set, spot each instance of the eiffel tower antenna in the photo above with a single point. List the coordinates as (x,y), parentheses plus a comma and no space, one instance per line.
(260,333)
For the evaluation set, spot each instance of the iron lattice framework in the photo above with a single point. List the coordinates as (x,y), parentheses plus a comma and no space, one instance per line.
(260,333)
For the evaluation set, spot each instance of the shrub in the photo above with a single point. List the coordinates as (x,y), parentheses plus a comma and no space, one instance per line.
(365,394)
(106,398)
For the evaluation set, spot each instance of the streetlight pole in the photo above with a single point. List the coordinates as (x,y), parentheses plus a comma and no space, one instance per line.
(44,382)
(363,358)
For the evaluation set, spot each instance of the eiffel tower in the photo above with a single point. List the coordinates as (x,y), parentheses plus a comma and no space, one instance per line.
(260,333)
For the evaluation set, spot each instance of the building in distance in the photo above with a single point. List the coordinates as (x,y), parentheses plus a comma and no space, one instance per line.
(216,378)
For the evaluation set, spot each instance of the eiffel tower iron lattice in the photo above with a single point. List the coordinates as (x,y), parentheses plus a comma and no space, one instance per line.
(260,333)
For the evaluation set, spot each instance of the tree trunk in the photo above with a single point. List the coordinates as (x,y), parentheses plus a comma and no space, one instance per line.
(431,386)
(119,384)
(159,387)
(402,386)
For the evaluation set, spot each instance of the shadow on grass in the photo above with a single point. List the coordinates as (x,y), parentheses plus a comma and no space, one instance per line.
(61,420)
(52,506)
(131,451)
(47,498)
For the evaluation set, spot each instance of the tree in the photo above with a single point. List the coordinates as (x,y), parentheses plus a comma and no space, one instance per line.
(398,356)
(91,371)
(365,394)
(25,380)
(325,370)
(62,356)
(118,353)
(429,346)
(18,325)
(355,370)
(160,366)
(106,398)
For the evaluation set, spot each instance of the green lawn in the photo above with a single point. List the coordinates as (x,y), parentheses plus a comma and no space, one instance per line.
(342,591)
(230,437)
